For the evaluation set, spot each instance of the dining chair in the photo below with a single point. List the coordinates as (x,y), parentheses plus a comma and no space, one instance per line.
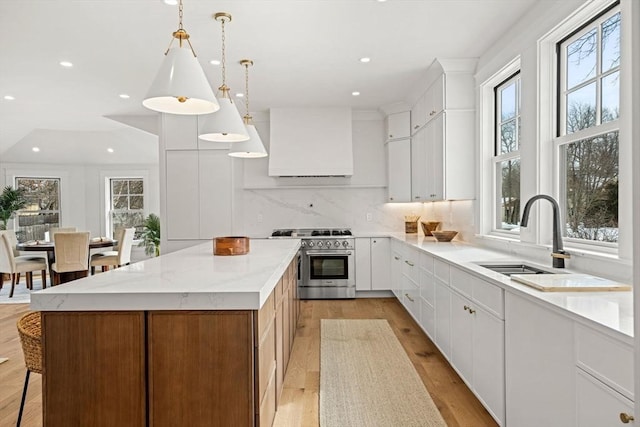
(119,257)
(71,251)
(30,332)
(13,266)
(54,230)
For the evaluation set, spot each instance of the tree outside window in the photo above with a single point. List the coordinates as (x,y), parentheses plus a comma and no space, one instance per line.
(507,154)
(127,204)
(588,136)
(43,207)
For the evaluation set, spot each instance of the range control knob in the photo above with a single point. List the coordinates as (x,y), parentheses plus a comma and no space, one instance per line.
(320,244)
(311,244)
(345,243)
(336,244)
(303,244)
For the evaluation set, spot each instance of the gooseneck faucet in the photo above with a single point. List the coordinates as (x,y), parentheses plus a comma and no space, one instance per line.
(558,252)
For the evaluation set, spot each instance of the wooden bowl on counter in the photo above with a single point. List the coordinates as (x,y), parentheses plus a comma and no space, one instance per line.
(231,245)
(429,226)
(444,235)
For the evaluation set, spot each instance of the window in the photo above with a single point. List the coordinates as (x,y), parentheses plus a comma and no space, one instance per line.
(126,204)
(587,128)
(43,207)
(507,153)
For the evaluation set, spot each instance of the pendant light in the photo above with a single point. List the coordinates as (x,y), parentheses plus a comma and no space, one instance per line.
(252,148)
(226,125)
(181,87)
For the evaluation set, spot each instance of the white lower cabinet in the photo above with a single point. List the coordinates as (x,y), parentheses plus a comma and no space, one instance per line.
(540,368)
(396,261)
(372,264)
(598,405)
(443,318)
(477,351)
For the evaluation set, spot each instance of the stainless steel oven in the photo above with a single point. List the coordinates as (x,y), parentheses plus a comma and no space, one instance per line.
(327,263)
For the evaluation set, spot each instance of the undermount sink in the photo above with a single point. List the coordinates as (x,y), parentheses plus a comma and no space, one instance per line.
(516,268)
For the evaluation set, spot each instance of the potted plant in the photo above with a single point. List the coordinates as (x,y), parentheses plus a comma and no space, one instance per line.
(11,200)
(151,235)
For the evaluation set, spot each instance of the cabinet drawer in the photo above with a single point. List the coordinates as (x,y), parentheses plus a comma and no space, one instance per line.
(441,271)
(410,266)
(597,404)
(411,299)
(426,262)
(427,287)
(607,359)
(489,296)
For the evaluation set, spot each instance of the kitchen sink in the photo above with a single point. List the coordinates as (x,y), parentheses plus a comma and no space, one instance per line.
(516,268)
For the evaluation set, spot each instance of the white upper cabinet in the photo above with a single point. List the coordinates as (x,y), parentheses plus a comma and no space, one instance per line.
(398,125)
(399,171)
(419,114)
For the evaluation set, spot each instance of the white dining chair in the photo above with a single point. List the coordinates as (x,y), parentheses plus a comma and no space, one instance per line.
(14,266)
(117,258)
(71,252)
(54,230)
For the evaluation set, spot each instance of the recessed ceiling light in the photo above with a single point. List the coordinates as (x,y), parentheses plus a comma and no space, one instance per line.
(9,97)
(381,1)
(35,149)
(365,59)
(124,96)
(214,62)
(66,64)
(170,2)
(239,95)
(355,93)
(110,150)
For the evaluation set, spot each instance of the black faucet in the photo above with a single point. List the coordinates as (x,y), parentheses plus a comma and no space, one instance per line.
(558,252)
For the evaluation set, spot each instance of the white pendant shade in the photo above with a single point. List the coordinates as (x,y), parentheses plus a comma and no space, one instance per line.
(225,125)
(251,149)
(181,78)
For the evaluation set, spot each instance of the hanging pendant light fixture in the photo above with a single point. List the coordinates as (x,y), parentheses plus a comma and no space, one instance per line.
(253,147)
(226,125)
(181,87)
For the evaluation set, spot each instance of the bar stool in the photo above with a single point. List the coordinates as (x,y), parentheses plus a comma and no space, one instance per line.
(30,332)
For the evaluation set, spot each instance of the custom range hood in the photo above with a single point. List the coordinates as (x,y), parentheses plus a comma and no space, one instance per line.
(311,142)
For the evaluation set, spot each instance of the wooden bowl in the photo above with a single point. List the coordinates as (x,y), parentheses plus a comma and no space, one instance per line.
(429,226)
(231,245)
(444,235)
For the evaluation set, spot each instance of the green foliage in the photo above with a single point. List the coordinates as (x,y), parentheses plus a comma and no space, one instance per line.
(151,235)
(11,200)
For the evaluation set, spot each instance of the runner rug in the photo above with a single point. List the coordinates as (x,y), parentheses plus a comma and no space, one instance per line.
(367,379)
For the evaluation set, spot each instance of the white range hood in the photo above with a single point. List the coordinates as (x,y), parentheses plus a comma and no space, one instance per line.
(311,142)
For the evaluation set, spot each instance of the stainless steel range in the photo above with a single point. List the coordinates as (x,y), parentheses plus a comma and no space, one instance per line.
(327,262)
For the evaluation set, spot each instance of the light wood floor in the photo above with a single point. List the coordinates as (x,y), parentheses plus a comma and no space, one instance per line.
(298,406)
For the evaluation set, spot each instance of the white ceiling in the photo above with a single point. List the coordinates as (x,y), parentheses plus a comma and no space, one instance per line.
(305,51)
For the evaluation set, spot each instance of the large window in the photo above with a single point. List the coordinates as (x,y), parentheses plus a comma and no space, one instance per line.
(126,204)
(587,133)
(507,153)
(43,207)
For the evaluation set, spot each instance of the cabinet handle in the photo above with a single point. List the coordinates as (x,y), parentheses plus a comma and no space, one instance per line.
(466,307)
(416,126)
(626,418)
(390,136)
(471,310)
(396,258)
(416,197)
(410,263)
(432,112)
(411,299)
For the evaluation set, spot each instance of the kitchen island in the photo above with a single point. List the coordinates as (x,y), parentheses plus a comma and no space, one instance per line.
(187,338)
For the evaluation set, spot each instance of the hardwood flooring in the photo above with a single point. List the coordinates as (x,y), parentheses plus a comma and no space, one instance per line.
(298,406)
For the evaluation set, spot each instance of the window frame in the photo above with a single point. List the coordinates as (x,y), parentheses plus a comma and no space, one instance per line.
(16,180)
(560,137)
(499,158)
(110,196)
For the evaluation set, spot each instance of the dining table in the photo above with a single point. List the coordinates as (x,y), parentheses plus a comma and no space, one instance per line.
(49,248)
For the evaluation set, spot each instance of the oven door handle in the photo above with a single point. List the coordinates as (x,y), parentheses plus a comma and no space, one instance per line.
(325,253)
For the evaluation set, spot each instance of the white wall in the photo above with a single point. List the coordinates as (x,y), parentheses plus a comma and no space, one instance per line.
(83,191)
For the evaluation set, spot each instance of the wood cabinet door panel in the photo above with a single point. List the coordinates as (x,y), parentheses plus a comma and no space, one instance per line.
(201,360)
(94,372)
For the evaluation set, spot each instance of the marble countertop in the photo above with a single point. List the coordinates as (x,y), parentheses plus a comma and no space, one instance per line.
(189,279)
(608,311)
